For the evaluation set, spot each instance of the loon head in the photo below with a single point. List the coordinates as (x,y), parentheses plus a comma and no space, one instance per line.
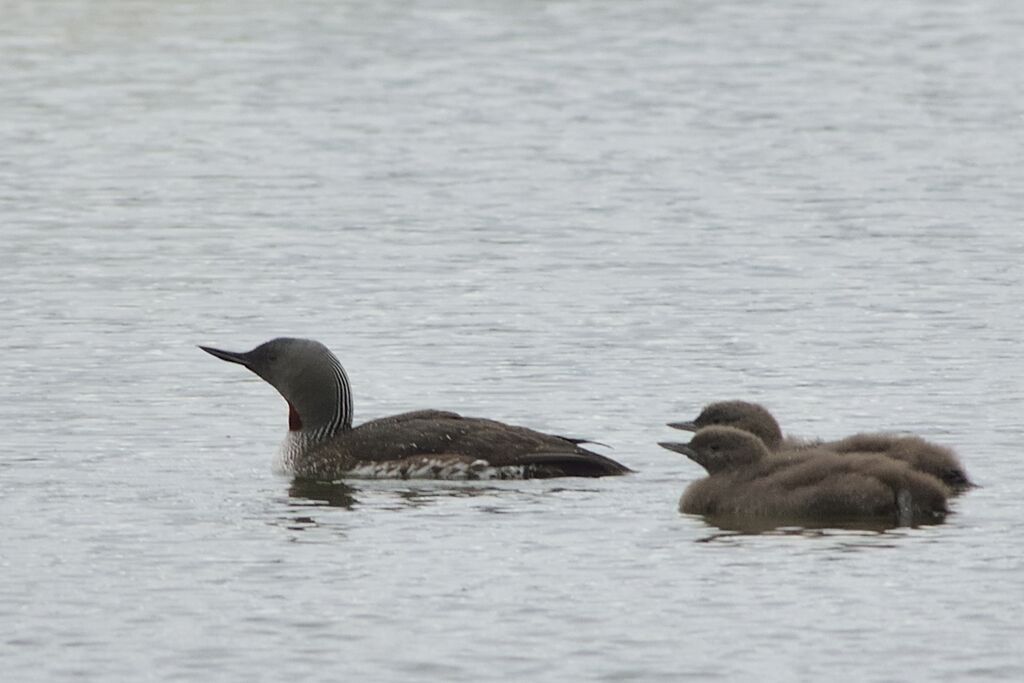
(307,375)
(720,449)
(750,417)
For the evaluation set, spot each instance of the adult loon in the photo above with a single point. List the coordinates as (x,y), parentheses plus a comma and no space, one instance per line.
(322,444)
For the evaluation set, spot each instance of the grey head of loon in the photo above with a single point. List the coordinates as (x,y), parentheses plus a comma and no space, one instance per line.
(750,417)
(308,376)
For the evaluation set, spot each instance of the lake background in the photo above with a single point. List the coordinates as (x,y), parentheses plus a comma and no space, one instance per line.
(585,217)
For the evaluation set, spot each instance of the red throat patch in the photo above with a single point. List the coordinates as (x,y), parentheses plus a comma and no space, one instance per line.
(294,422)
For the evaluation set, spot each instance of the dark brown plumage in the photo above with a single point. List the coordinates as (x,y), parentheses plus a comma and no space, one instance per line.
(322,444)
(747,481)
(924,456)
(440,444)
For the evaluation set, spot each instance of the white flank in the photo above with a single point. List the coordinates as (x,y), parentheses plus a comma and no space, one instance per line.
(416,467)
(430,468)
(293,444)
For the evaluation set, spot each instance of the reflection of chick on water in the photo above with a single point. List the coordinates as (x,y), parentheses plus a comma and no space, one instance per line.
(747,480)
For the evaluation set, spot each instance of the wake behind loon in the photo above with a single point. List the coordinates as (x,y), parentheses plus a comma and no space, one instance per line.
(322,444)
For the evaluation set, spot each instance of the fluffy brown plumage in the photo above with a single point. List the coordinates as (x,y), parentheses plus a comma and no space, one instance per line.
(927,457)
(750,417)
(746,480)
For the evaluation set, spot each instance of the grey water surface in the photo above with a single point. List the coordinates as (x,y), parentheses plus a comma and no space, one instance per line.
(586,217)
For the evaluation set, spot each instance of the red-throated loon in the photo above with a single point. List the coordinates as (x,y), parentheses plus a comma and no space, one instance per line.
(322,444)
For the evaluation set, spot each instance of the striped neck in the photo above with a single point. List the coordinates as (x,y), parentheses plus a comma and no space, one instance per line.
(325,408)
(327,403)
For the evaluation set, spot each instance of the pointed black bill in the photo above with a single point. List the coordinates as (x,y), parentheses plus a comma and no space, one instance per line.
(229,356)
(683,448)
(685,426)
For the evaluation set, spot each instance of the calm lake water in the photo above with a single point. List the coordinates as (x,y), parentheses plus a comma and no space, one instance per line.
(586,217)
